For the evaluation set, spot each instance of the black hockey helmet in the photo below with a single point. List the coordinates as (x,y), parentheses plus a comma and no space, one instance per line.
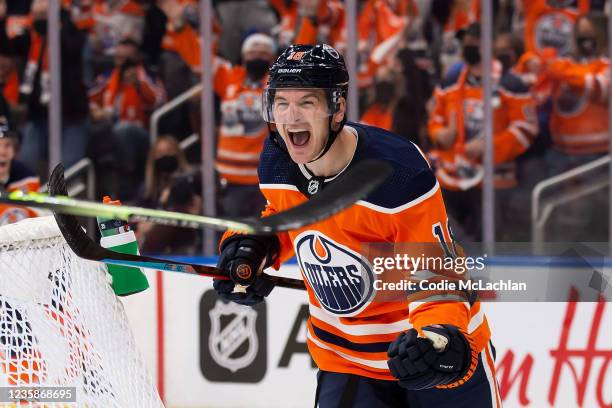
(301,66)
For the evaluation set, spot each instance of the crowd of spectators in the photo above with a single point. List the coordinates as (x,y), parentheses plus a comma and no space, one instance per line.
(419,75)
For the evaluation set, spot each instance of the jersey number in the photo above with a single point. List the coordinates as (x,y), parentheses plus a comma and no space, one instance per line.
(438,232)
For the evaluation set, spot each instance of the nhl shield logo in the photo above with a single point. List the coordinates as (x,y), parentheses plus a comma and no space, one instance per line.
(313,186)
(224,342)
(232,340)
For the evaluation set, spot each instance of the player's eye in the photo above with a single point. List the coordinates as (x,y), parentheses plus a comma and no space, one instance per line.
(281,105)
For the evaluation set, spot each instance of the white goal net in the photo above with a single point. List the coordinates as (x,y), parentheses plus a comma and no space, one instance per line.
(61,324)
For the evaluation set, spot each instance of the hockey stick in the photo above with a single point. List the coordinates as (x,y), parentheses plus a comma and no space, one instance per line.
(356,183)
(85,247)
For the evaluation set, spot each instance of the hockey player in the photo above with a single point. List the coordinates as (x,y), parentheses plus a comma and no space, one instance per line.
(368,353)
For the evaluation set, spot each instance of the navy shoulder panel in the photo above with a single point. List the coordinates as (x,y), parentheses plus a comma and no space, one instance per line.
(411,178)
(275,165)
(513,83)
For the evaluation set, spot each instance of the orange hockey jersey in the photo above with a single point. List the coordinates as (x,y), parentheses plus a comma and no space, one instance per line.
(514,127)
(349,329)
(242,131)
(548,26)
(579,120)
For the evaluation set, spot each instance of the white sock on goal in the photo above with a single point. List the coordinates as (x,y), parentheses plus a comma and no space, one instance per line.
(62,325)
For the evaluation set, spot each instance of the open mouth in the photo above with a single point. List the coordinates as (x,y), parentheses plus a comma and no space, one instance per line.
(299,137)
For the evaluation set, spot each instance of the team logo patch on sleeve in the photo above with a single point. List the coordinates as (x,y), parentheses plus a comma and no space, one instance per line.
(341,279)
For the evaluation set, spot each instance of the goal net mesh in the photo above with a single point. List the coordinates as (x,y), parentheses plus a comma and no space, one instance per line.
(62,325)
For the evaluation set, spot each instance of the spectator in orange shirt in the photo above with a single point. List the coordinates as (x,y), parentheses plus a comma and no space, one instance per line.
(580,88)
(129,94)
(579,125)
(456,129)
(124,101)
(243,131)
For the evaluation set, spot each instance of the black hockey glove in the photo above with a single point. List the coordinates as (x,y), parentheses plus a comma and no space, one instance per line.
(244,257)
(418,365)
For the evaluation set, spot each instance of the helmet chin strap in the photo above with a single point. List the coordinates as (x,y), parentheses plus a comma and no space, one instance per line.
(331,138)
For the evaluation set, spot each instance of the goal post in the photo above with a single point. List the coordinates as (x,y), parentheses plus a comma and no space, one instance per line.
(61,324)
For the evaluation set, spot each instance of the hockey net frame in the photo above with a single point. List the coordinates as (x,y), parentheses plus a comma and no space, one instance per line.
(61,324)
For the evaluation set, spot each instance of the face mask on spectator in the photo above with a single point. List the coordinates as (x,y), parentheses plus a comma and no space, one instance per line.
(471,54)
(586,45)
(166,164)
(40,26)
(257,68)
(505,60)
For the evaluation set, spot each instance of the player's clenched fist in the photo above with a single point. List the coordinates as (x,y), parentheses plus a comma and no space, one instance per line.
(444,359)
(244,257)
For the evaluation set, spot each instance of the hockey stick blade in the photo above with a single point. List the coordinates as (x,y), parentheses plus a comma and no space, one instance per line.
(355,184)
(85,247)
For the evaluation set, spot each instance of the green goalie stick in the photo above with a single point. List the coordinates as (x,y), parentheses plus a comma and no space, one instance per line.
(85,247)
(355,184)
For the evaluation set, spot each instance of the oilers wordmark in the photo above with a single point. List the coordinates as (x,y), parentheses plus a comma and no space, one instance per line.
(342,280)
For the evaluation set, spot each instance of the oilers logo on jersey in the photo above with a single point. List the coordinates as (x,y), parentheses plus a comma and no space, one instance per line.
(554,30)
(341,279)
(570,101)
